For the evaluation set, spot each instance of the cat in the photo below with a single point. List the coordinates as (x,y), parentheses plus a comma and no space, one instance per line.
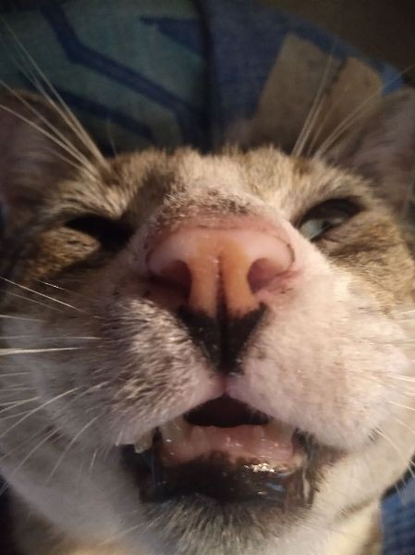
(204,354)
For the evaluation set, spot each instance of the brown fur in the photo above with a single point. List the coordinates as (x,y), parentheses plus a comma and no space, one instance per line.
(341,352)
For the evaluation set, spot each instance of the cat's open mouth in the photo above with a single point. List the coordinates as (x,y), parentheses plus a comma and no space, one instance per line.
(228,426)
(222,449)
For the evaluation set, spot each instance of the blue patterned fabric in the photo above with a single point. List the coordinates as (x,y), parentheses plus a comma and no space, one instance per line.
(170,73)
(136,77)
(399,521)
(140,73)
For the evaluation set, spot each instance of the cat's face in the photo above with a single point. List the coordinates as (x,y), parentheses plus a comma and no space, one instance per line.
(205,354)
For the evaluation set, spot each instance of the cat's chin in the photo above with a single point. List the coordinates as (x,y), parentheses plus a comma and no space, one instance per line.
(225,451)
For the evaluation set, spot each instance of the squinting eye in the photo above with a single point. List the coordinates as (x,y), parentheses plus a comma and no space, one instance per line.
(110,233)
(323,217)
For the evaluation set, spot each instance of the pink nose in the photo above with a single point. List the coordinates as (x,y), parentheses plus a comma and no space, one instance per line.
(214,267)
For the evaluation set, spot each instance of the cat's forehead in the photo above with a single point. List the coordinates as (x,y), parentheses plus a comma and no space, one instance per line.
(283,182)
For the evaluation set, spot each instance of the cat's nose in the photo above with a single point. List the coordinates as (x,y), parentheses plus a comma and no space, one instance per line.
(227,269)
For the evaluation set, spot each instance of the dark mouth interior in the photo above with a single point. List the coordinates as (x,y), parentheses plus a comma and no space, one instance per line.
(225,412)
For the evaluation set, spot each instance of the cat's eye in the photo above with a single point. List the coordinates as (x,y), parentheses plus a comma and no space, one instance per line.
(325,216)
(111,234)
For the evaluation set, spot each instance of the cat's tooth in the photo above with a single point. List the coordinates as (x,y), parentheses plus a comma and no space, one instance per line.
(258,433)
(144,443)
(199,440)
(175,430)
(279,432)
(286,433)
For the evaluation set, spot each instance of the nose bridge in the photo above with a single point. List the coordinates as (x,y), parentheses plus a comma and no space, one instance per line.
(219,268)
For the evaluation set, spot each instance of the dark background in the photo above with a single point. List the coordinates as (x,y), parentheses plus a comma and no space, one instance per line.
(383,29)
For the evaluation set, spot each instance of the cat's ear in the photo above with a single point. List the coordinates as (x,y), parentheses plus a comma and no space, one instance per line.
(381,147)
(40,144)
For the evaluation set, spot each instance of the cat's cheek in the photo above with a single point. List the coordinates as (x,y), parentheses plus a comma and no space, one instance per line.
(329,362)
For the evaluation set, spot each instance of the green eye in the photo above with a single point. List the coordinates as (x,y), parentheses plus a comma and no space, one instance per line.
(323,217)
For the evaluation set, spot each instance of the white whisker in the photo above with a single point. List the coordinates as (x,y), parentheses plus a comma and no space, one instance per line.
(13,374)
(59,138)
(351,118)
(401,406)
(51,337)
(94,456)
(43,295)
(23,318)
(28,299)
(40,407)
(70,444)
(15,415)
(8,352)
(59,105)
(12,405)
(16,388)
(41,130)
(405,312)
(316,106)
(408,379)
(404,425)
(32,452)
(65,290)
(119,536)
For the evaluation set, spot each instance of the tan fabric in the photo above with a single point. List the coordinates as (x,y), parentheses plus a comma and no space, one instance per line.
(308,94)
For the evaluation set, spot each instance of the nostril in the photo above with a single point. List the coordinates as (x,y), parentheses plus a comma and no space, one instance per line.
(261,273)
(175,274)
(208,268)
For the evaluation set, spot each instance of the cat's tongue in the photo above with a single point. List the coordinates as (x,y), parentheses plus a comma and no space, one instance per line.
(271,443)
